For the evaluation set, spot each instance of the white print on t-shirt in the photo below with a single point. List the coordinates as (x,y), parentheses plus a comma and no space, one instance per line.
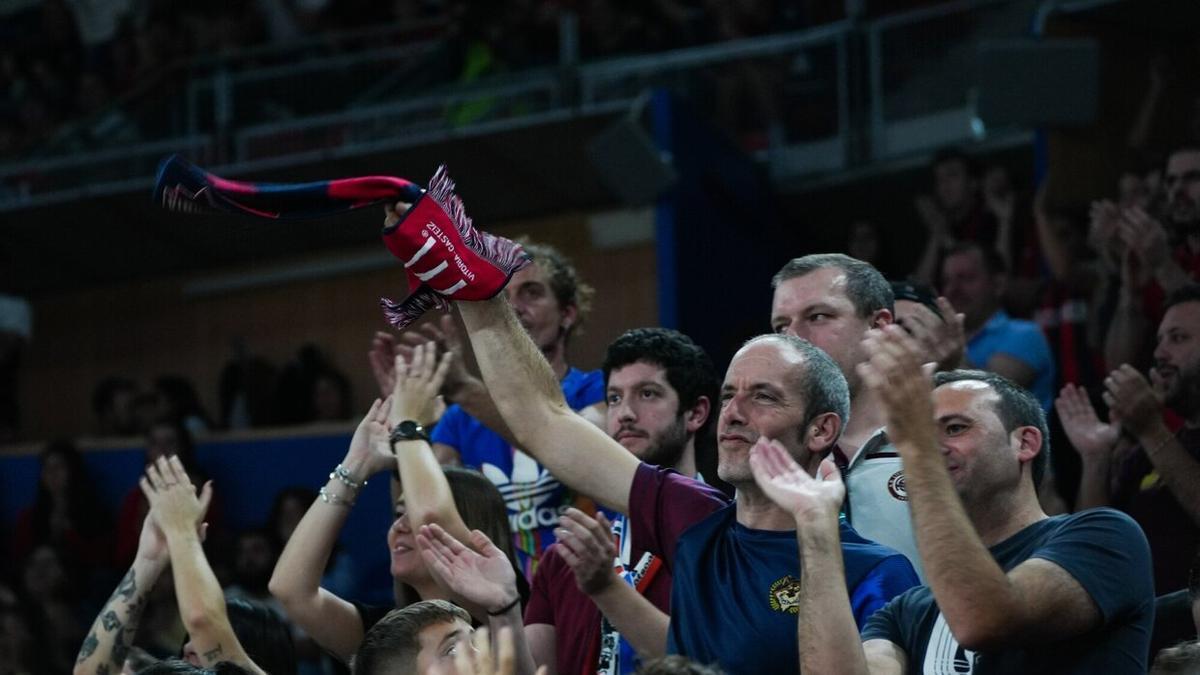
(525,491)
(944,656)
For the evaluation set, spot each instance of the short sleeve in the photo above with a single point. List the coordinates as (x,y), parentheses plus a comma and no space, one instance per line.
(891,577)
(887,624)
(587,390)
(449,429)
(1106,552)
(663,504)
(1027,344)
(541,607)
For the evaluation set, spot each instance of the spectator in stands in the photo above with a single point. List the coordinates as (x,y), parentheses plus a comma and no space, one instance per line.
(776,385)
(973,279)
(21,648)
(52,583)
(864,242)
(677,665)
(1158,483)
(585,615)
(66,512)
(180,402)
(954,212)
(247,392)
(1008,587)
(311,389)
(166,438)
(831,300)
(112,402)
(1161,254)
(254,556)
(335,624)
(932,322)
(340,576)
(243,633)
(552,303)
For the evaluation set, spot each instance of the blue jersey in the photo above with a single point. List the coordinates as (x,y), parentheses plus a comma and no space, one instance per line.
(735,591)
(534,497)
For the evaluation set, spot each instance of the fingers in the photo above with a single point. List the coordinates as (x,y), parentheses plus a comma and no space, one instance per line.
(147,488)
(482,543)
(828,471)
(506,663)
(443,368)
(155,477)
(206,493)
(442,537)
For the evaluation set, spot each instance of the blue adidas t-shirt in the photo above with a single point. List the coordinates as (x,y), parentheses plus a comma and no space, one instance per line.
(1104,550)
(735,590)
(534,497)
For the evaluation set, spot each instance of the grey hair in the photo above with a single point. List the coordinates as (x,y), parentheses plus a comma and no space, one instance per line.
(822,384)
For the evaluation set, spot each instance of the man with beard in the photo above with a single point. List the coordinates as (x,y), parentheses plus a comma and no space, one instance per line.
(1162,254)
(598,604)
(1158,482)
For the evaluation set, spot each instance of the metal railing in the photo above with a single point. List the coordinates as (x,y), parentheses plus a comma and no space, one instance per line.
(917,75)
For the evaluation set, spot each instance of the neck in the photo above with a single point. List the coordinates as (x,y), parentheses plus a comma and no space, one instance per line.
(757,511)
(687,461)
(427,589)
(866,416)
(996,518)
(556,355)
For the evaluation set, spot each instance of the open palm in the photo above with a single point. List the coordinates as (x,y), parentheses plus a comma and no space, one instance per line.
(789,486)
(486,578)
(1090,435)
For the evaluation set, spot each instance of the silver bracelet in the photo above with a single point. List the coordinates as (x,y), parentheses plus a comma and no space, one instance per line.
(340,473)
(337,500)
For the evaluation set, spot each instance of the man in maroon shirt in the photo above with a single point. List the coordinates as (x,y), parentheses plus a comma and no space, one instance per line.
(660,391)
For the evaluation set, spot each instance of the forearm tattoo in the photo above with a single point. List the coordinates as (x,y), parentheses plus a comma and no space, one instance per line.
(110,638)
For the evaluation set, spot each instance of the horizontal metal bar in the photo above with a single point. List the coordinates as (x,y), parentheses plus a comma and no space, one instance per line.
(110,154)
(927,13)
(725,51)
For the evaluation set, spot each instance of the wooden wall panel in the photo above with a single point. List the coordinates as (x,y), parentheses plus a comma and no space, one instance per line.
(145,329)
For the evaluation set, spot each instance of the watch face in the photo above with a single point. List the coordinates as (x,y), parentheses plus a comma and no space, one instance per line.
(410,429)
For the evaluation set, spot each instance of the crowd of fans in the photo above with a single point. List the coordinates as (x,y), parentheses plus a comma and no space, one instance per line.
(66,66)
(609,540)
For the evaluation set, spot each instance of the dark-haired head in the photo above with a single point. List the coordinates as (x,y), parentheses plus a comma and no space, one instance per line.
(1015,407)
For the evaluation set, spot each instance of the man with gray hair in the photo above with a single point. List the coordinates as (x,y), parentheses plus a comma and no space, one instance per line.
(832,300)
(734,590)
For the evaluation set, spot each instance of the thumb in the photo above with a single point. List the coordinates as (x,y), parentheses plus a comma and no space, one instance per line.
(206,493)
(482,543)
(829,472)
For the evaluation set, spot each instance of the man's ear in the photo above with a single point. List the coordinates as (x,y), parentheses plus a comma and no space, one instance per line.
(1028,442)
(697,415)
(822,432)
(882,317)
(569,314)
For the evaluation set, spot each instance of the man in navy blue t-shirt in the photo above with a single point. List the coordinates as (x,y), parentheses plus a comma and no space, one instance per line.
(734,569)
(1011,590)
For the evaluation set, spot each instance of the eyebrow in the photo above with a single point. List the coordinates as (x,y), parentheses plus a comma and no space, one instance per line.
(953,418)
(757,386)
(456,634)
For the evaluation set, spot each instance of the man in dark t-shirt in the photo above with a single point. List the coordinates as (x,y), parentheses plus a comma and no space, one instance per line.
(734,589)
(1010,590)
(1158,484)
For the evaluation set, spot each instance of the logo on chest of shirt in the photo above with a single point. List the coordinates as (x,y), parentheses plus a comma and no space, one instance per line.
(943,654)
(784,595)
(896,486)
(526,492)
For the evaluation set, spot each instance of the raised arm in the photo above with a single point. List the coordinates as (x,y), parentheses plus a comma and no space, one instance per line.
(108,642)
(427,496)
(1035,603)
(177,512)
(531,402)
(1095,442)
(481,574)
(296,582)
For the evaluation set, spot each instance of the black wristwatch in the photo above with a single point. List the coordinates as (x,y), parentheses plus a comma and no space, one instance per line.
(409,430)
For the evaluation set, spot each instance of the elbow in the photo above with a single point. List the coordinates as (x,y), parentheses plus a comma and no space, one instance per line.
(282,589)
(985,632)
(199,621)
